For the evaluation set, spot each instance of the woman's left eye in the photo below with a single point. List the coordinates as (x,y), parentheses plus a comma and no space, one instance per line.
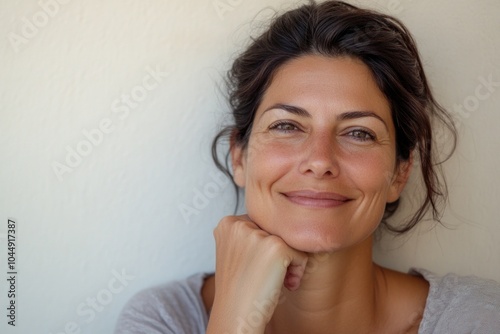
(361,135)
(285,127)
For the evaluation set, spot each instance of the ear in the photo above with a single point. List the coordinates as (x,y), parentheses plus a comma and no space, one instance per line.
(399,179)
(238,161)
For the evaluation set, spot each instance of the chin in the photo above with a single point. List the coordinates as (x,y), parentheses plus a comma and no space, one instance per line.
(314,245)
(320,236)
(311,238)
(322,243)
(315,232)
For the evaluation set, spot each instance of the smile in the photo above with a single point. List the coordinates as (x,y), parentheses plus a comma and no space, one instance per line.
(315,199)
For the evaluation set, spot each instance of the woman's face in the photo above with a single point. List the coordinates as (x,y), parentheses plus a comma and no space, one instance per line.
(320,164)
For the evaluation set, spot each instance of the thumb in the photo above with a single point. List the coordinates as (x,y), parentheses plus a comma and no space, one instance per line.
(295,270)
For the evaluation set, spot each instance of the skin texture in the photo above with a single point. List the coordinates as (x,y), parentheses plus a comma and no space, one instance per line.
(318,170)
(323,154)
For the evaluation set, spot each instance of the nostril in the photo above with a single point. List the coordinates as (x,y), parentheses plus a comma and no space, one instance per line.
(319,159)
(319,170)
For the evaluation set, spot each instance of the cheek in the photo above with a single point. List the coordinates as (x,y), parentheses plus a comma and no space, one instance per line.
(269,162)
(370,171)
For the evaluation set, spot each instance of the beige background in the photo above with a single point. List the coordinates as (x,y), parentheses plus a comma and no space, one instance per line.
(138,207)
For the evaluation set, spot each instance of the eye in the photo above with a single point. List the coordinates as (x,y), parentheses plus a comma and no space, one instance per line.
(361,135)
(284,127)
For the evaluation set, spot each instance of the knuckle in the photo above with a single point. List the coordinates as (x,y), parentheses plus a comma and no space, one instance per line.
(275,245)
(226,220)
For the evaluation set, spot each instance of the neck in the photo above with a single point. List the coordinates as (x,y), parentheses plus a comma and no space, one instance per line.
(339,292)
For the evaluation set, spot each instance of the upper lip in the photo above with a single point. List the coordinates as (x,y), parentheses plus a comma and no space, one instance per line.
(316,195)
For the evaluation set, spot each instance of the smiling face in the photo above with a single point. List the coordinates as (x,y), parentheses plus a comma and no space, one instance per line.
(320,164)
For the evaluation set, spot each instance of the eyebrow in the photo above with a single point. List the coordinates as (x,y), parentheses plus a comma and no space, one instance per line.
(343,116)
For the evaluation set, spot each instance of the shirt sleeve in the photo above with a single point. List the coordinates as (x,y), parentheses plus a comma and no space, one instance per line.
(173,308)
(143,314)
(461,305)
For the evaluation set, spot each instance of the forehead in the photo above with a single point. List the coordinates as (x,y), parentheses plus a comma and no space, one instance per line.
(336,84)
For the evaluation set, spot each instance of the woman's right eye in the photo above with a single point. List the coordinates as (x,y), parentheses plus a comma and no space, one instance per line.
(283,126)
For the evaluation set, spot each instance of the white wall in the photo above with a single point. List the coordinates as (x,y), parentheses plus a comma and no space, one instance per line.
(119,208)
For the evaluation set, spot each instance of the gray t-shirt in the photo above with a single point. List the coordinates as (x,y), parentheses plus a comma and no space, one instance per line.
(455,305)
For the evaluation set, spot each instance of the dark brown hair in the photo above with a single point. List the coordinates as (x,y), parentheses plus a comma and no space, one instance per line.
(383,43)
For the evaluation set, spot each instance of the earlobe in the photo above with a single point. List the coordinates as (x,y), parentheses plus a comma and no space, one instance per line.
(400,179)
(238,163)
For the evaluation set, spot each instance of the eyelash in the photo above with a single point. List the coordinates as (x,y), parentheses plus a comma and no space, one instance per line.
(365,135)
(278,127)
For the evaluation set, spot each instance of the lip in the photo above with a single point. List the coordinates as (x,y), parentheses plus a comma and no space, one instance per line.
(316,199)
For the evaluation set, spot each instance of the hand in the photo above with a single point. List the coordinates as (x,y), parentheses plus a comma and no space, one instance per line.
(251,268)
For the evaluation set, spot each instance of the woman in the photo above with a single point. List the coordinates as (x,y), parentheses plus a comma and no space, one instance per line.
(331,110)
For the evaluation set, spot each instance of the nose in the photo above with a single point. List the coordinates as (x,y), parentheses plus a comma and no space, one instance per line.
(320,158)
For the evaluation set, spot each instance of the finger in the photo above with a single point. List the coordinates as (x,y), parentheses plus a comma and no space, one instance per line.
(295,271)
(293,277)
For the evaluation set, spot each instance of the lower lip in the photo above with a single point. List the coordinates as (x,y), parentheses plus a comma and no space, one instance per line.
(315,202)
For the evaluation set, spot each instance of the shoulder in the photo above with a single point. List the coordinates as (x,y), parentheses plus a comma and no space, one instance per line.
(460,304)
(175,307)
